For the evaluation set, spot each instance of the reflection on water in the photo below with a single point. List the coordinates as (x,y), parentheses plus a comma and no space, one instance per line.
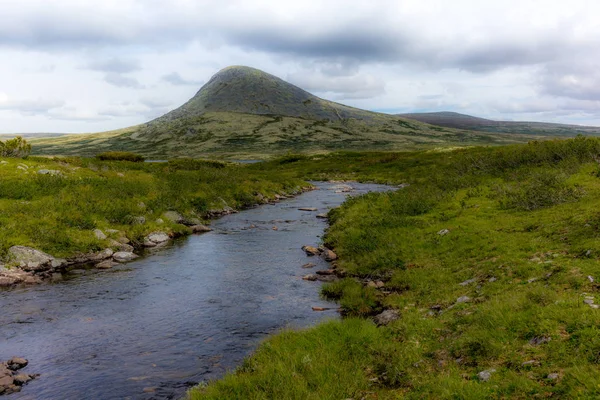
(186,313)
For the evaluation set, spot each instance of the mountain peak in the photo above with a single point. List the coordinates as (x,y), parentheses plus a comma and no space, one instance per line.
(248,90)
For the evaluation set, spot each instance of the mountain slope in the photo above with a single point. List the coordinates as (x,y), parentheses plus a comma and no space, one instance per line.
(244,112)
(463,121)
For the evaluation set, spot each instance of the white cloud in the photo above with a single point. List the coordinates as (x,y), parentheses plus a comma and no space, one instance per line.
(495,59)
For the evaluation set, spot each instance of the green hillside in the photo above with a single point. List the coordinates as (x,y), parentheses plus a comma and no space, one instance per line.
(462,121)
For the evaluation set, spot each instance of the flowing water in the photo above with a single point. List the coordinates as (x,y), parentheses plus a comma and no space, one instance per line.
(186,313)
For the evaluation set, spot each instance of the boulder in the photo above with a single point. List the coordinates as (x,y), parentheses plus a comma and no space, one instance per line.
(106,264)
(16,363)
(120,246)
(310,250)
(21,379)
(99,234)
(199,228)
(124,256)
(386,317)
(322,216)
(49,172)
(327,254)
(156,238)
(101,255)
(308,209)
(463,299)
(485,375)
(310,277)
(174,217)
(30,259)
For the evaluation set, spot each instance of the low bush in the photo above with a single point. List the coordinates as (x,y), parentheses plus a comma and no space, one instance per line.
(120,156)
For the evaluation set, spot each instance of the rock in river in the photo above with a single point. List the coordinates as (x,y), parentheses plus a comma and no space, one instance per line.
(327,254)
(124,256)
(310,250)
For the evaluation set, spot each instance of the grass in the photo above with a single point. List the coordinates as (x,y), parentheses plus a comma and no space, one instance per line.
(58,212)
(523,239)
(230,135)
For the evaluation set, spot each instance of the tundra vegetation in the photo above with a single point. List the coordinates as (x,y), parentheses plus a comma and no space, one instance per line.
(54,204)
(490,258)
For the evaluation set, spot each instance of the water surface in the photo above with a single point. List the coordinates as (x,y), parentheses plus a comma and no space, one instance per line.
(186,313)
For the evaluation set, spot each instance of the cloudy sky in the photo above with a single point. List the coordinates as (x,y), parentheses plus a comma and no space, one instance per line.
(78,66)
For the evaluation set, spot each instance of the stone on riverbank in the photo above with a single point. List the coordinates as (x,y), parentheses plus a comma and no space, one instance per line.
(124,256)
(155,239)
(327,254)
(310,250)
(199,228)
(32,260)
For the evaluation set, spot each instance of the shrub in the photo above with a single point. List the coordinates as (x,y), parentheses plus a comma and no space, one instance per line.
(17,147)
(120,156)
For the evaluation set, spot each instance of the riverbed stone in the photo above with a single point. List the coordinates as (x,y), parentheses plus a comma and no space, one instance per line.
(101,255)
(156,239)
(327,254)
(16,363)
(106,264)
(310,250)
(310,277)
(120,245)
(199,228)
(124,256)
(308,209)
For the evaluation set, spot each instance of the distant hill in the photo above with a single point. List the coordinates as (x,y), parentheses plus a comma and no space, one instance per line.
(462,121)
(242,112)
(4,136)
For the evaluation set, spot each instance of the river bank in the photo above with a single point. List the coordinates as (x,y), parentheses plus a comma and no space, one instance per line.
(67,213)
(188,313)
(487,265)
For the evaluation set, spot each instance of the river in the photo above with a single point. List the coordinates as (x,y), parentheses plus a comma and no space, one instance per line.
(185,313)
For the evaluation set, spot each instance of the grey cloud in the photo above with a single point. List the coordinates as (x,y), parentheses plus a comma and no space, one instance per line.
(122,81)
(343,87)
(115,65)
(174,78)
(30,107)
(578,80)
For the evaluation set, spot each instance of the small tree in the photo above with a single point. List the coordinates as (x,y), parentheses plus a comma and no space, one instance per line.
(17,147)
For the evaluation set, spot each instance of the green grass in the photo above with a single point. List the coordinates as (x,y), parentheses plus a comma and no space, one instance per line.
(57,213)
(523,224)
(230,135)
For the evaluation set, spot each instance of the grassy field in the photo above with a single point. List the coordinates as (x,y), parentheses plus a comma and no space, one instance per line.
(490,255)
(229,135)
(56,212)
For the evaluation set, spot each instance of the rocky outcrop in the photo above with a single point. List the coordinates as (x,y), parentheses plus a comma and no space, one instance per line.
(11,380)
